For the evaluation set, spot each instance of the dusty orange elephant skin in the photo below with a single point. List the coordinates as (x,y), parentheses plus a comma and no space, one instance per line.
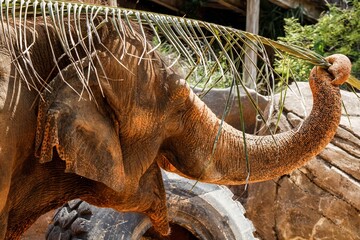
(103,145)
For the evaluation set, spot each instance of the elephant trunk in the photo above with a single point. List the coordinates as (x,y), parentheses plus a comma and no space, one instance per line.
(221,154)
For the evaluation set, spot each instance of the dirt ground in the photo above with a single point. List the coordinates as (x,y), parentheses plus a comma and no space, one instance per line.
(38,229)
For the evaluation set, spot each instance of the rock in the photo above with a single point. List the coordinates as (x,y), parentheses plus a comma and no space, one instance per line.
(326,229)
(322,199)
(341,214)
(349,164)
(334,181)
(295,215)
(262,197)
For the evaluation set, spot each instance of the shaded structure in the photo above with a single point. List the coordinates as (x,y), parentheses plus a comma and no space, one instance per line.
(311,8)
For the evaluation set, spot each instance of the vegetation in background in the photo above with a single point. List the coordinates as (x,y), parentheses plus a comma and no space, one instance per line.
(337,31)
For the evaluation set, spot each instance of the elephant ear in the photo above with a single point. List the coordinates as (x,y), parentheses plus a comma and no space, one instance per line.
(83,131)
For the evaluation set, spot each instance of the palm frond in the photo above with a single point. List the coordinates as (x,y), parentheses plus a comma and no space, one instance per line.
(200,44)
(354,82)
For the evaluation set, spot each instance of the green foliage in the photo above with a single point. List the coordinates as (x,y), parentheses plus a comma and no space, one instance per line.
(337,31)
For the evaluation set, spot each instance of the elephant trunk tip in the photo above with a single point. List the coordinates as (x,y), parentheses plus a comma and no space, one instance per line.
(340,68)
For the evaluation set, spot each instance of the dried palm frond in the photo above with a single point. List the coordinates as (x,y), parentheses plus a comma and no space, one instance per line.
(201,46)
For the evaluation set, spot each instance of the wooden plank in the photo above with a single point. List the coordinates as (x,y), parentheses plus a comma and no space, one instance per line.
(233,5)
(172,5)
(311,9)
(230,5)
(113,3)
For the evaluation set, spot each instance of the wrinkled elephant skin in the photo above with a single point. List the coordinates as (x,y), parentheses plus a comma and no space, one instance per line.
(102,144)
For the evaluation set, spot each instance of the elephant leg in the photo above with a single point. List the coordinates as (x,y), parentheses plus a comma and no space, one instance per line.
(7,138)
(17,128)
(147,196)
(152,188)
(3,219)
(6,168)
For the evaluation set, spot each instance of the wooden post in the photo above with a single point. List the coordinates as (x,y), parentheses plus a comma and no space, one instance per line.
(252,26)
(112,3)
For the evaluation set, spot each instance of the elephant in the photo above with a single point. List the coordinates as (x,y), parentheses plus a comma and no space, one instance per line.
(105,141)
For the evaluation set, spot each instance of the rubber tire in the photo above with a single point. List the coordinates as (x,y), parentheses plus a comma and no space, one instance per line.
(206,211)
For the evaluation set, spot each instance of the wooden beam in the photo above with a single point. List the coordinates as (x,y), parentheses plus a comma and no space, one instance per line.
(175,5)
(172,5)
(250,58)
(225,5)
(113,3)
(311,9)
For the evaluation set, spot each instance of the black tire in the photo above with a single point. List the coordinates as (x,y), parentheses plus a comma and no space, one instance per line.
(196,211)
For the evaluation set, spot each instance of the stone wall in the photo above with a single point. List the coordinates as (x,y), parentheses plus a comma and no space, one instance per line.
(320,200)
